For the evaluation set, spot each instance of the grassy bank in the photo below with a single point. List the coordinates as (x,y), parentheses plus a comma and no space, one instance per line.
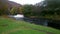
(10,26)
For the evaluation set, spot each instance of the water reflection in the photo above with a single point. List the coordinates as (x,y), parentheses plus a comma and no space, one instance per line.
(38,21)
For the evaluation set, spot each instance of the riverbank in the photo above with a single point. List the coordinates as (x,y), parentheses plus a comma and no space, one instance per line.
(11,26)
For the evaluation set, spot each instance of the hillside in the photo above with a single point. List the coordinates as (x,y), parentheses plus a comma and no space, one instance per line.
(11,26)
(13,4)
(10,4)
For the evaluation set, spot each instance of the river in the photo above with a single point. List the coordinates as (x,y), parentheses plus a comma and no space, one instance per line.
(38,21)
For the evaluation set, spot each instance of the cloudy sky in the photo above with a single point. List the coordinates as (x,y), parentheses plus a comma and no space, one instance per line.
(26,1)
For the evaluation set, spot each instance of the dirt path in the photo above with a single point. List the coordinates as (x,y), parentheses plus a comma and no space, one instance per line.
(43,31)
(14,30)
(17,29)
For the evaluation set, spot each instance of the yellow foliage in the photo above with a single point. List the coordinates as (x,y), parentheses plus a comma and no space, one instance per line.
(13,10)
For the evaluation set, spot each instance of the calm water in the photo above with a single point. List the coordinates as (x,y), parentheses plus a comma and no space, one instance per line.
(40,21)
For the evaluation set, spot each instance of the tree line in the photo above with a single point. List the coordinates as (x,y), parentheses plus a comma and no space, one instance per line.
(46,8)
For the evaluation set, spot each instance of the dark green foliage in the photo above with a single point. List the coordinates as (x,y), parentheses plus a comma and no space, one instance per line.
(52,7)
(27,10)
(31,10)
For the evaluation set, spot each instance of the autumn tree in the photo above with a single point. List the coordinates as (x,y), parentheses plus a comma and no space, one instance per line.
(13,10)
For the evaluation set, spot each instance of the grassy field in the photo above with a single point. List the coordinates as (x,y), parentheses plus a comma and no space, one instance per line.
(11,26)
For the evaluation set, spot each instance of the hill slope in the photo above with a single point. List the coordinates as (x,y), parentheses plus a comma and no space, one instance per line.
(13,4)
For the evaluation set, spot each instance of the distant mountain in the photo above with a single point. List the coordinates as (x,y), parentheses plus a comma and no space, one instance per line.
(13,4)
(43,3)
(39,4)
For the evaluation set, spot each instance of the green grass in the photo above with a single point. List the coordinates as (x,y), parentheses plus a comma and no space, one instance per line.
(10,26)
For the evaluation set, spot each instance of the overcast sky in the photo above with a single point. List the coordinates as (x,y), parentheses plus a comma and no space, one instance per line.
(26,1)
